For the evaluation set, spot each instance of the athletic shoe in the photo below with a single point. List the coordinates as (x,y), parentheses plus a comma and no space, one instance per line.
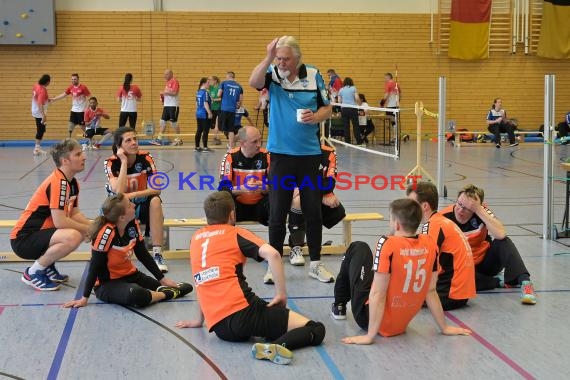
(273,352)
(159,260)
(97,146)
(184,289)
(157,142)
(39,152)
(206,150)
(197,149)
(296,256)
(93,147)
(39,280)
(176,142)
(527,293)
(268,277)
(54,275)
(169,292)
(318,271)
(84,147)
(498,146)
(338,311)
(514,144)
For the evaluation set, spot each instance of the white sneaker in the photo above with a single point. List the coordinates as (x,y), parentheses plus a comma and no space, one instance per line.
(317,270)
(296,256)
(84,147)
(159,260)
(39,152)
(176,142)
(268,277)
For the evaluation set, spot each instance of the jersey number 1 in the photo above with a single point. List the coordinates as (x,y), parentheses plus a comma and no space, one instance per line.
(419,278)
(204,249)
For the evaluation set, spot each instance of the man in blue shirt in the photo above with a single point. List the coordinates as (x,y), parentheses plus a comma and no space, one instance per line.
(231,94)
(299,102)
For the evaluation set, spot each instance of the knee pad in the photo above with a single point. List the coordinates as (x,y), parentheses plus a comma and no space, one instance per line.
(318,331)
(139,297)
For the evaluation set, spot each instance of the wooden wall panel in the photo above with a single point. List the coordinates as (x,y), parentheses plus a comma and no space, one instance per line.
(103,46)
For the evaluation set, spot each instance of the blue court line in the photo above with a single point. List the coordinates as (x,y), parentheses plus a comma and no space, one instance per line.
(61,347)
(321,350)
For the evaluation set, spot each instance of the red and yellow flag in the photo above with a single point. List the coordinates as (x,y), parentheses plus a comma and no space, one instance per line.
(470,28)
(555,30)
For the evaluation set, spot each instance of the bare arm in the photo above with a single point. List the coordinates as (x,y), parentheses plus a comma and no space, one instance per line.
(193,323)
(434,306)
(257,77)
(322,114)
(376,306)
(60,96)
(276,265)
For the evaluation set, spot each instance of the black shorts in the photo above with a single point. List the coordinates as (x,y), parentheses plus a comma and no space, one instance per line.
(215,114)
(39,123)
(95,131)
(32,245)
(120,291)
(142,212)
(130,116)
(332,215)
(255,320)
(76,118)
(170,113)
(226,121)
(258,212)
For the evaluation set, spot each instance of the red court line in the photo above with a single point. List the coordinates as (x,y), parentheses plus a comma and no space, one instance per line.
(91,170)
(1,310)
(498,353)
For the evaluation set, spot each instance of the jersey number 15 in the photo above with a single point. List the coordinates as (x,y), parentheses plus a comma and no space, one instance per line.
(420,276)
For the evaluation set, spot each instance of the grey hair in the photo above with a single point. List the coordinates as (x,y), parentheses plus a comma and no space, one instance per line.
(290,42)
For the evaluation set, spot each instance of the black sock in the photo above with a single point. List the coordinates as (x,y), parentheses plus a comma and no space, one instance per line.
(312,334)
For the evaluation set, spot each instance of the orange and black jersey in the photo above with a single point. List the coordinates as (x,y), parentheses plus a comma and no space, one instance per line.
(218,254)
(112,254)
(328,169)
(475,231)
(55,192)
(410,261)
(137,174)
(456,277)
(236,170)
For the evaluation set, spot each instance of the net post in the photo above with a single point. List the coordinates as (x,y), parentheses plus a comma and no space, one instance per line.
(549,99)
(441,137)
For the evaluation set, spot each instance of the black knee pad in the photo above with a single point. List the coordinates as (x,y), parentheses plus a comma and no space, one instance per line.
(139,297)
(318,331)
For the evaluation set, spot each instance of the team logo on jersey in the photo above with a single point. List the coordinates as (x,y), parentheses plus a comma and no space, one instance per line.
(132,232)
(240,164)
(474,222)
(207,275)
(138,167)
(304,82)
(258,164)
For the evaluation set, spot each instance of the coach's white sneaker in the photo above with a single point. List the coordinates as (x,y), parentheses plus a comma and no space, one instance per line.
(268,277)
(296,256)
(317,270)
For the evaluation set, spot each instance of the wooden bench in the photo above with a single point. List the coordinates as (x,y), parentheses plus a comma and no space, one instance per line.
(457,135)
(201,222)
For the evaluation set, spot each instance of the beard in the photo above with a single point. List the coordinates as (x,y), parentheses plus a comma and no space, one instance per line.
(283,73)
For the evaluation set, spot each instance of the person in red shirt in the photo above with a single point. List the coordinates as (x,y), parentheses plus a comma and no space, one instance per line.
(128,172)
(456,275)
(115,237)
(129,95)
(79,94)
(388,289)
(492,249)
(40,102)
(92,118)
(51,226)
(171,108)
(218,254)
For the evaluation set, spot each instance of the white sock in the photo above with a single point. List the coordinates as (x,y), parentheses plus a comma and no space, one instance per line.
(157,250)
(36,267)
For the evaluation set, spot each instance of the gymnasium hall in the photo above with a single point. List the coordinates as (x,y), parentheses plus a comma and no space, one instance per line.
(447,76)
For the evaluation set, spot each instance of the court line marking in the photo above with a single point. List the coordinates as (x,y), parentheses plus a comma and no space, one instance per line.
(11,376)
(64,340)
(91,169)
(33,169)
(489,346)
(183,340)
(329,362)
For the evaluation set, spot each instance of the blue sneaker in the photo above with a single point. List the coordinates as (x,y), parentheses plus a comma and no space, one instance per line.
(270,351)
(39,280)
(54,275)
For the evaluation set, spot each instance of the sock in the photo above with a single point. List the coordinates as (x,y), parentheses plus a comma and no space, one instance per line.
(523,277)
(36,267)
(157,250)
(170,293)
(37,146)
(315,263)
(312,334)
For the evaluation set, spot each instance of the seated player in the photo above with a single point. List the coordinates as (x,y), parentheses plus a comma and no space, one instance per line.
(492,249)
(388,289)
(456,277)
(92,118)
(128,171)
(218,253)
(115,236)
(51,226)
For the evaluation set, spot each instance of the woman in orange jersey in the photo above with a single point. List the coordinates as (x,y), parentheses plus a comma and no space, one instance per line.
(115,236)
(388,288)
